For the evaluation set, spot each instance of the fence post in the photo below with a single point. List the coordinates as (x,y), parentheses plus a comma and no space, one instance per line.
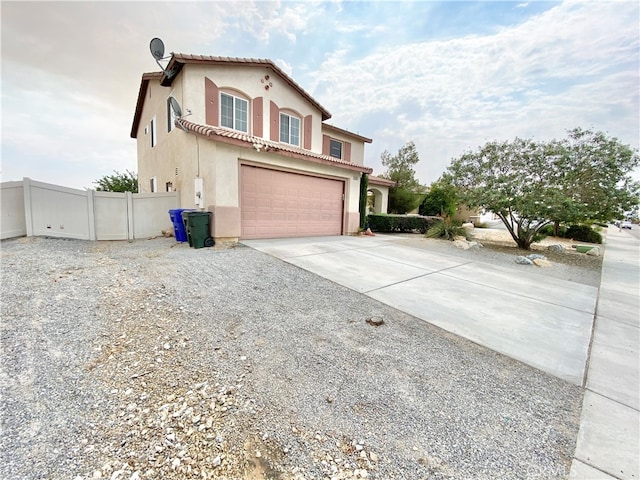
(129,213)
(92,215)
(28,218)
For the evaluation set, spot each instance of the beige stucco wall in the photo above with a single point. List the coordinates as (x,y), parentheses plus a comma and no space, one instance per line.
(246,80)
(357,146)
(381,196)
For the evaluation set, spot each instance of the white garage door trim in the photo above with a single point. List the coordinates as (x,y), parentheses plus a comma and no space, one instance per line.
(276,203)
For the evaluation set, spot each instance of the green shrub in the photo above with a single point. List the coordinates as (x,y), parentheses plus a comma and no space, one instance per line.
(399,223)
(583,233)
(448,229)
(547,231)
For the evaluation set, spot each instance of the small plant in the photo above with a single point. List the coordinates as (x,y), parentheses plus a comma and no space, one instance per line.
(482,225)
(583,233)
(447,229)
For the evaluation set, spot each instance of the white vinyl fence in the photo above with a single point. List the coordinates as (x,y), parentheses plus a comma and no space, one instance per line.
(40,209)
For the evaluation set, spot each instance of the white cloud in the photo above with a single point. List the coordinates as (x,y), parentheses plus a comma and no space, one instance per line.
(572,65)
(71,72)
(286,67)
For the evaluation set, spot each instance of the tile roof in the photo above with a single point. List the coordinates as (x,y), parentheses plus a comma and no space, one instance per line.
(373,180)
(249,141)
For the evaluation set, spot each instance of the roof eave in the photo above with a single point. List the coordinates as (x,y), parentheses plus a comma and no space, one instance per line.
(347,132)
(209,133)
(144,84)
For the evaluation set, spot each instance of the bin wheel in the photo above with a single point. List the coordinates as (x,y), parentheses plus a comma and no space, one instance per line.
(209,242)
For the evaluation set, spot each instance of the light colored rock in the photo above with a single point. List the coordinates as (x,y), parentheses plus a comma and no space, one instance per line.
(536,256)
(460,237)
(97,474)
(217,461)
(463,244)
(541,262)
(556,248)
(594,252)
(373,456)
(520,260)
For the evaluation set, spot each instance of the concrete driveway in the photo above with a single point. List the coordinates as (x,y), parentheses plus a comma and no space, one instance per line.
(543,322)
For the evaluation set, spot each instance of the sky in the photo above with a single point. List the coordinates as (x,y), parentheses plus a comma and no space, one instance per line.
(449,76)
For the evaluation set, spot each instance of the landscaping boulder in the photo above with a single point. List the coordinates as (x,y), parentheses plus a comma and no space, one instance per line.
(594,252)
(557,248)
(463,244)
(541,262)
(520,260)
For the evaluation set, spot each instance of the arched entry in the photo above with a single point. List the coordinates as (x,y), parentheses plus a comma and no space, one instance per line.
(378,194)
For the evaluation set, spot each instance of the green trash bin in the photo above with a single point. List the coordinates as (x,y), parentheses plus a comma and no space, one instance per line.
(198,227)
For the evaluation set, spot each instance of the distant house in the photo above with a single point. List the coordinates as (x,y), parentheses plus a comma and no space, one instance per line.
(251,146)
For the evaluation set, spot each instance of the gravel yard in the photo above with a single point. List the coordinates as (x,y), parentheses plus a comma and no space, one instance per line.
(500,249)
(151,360)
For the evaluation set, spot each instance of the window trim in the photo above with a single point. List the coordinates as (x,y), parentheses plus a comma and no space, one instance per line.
(234,119)
(290,116)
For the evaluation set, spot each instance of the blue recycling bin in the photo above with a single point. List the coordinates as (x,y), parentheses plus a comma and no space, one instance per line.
(178,224)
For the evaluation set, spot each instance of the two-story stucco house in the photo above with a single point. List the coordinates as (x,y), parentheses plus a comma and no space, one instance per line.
(251,146)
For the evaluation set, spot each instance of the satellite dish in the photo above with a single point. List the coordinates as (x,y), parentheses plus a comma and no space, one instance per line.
(157,48)
(177,111)
(175,106)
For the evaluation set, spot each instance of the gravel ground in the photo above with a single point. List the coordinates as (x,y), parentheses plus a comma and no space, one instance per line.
(500,249)
(150,360)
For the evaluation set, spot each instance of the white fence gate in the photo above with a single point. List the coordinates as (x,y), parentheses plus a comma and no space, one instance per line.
(40,209)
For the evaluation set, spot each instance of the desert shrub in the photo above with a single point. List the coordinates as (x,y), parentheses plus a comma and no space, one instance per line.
(448,229)
(583,233)
(399,223)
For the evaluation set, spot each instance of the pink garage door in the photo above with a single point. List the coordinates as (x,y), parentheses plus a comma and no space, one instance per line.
(282,204)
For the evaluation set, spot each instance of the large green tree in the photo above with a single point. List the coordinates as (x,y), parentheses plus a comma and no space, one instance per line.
(126,181)
(400,168)
(440,200)
(530,184)
(593,171)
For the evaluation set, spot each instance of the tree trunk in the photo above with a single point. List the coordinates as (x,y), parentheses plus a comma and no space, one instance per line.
(556,228)
(523,241)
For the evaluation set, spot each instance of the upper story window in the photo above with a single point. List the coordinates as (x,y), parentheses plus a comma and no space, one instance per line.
(234,112)
(335,148)
(289,129)
(154,134)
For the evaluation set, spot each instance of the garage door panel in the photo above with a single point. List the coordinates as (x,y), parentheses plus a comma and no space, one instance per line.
(283,204)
